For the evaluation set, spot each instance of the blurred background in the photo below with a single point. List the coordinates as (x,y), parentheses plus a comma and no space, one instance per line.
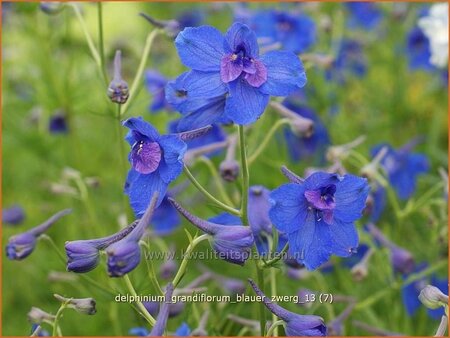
(56,116)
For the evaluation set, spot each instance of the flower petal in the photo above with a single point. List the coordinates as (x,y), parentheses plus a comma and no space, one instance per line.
(230,68)
(238,36)
(345,238)
(192,90)
(210,112)
(259,77)
(173,150)
(141,189)
(142,127)
(289,207)
(350,197)
(200,48)
(245,104)
(285,73)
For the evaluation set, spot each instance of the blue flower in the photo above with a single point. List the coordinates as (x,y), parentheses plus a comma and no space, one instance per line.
(403,167)
(232,243)
(295,33)
(139,331)
(165,218)
(296,325)
(318,216)
(183,330)
(365,15)
(418,50)
(301,146)
(156,161)
(155,83)
(190,18)
(229,80)
(13,215)
(22,245)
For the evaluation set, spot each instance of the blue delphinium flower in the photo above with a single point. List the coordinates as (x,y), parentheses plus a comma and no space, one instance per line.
(13,215)
(190,18)
(161,321)
(365,15)
(155,83)
(183,330)
(125,254)
(418,50)
(229,80)
(156,161)
(301,146)
(84,255)
(318,216)
(403,167)
(296,325)
(295,32)
(22,245)
(232,243)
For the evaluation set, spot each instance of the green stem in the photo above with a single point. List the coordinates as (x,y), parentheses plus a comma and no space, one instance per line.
(100,38)
(183,265)
(208,195)
(217,179)
(267,139)
(57,316)
(145,53)
(143,311)
(151,271)
(123,163)
(245,175)
(274,328)
(273,285)
(262,313)
(272,261)
(90,42)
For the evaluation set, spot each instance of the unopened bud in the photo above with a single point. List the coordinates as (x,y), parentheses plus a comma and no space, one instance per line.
(170,27)
(229,170)
(38,316)
(51,7)
(432,297)
(81,305)
(118,89)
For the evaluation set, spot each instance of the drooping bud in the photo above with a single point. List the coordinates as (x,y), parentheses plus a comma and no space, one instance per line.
(340,152)
(170,27)
(81,305)
(360,270)
(432,297)
(161,321)
(118,89)
(38,316)
(229,168)
(300,125)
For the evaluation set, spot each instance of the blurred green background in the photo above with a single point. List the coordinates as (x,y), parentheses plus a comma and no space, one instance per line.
(47,67)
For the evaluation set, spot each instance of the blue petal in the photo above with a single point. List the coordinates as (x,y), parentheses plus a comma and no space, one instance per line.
(351,194)
(239,35)
(410,298)
(345,238)
(312,244)
(289,207)
(166,218)
(211,112)
(318,180)
(200,48)
(226,219)
(245,104)
(193,90)
(173,149)
(141,190)
(142,127)
(285,73)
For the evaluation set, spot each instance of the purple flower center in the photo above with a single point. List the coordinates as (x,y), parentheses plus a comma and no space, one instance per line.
(240,62)
(322,200)
(145,156)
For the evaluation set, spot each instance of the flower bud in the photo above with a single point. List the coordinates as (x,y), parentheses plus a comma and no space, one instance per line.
(170,27)
(232,242)
(432,297)
(38,316)
(229,170)
(118,89)
(296,325)
(291,176)
(175,308)
(161,321)
(340,152)
(81,305)
(22,245)
(402,260)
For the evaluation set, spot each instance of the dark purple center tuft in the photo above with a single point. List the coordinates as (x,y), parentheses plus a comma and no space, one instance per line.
(322,200)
